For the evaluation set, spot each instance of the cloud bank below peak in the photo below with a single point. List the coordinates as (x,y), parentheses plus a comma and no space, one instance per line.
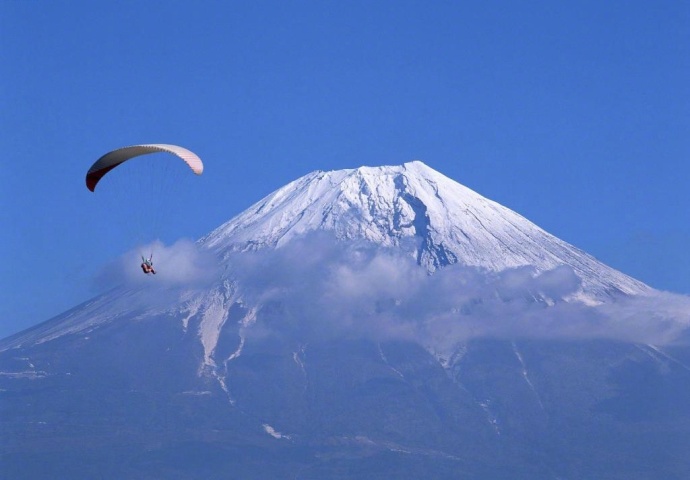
(320,288)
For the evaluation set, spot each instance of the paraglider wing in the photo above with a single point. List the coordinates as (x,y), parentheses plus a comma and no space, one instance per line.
(112,159)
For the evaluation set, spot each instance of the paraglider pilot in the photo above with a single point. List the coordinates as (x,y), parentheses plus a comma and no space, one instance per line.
(147,265)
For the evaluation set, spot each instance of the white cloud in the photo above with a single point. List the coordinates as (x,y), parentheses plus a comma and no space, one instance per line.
(180,264)
(316,286)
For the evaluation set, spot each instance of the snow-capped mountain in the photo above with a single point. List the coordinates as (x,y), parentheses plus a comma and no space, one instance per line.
(246,376)
(437,220)
(411,208)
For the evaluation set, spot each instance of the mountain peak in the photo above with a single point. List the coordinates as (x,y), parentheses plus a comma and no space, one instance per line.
(413,207)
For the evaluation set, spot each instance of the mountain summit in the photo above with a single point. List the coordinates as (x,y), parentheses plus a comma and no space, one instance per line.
(412,206)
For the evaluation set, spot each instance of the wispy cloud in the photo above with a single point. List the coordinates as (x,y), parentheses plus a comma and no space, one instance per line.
(315,286)
(181,264)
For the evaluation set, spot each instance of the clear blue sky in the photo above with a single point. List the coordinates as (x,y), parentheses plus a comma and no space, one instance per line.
(575,114)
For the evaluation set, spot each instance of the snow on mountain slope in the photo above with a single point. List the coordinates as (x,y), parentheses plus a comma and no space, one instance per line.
(414,207)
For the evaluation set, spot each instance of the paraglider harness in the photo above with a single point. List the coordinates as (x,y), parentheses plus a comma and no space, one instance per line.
(147,265)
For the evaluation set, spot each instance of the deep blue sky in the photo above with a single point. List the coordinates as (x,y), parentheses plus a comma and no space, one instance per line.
(575,114)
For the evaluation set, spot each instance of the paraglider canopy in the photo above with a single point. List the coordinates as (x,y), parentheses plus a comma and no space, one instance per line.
(116,157)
